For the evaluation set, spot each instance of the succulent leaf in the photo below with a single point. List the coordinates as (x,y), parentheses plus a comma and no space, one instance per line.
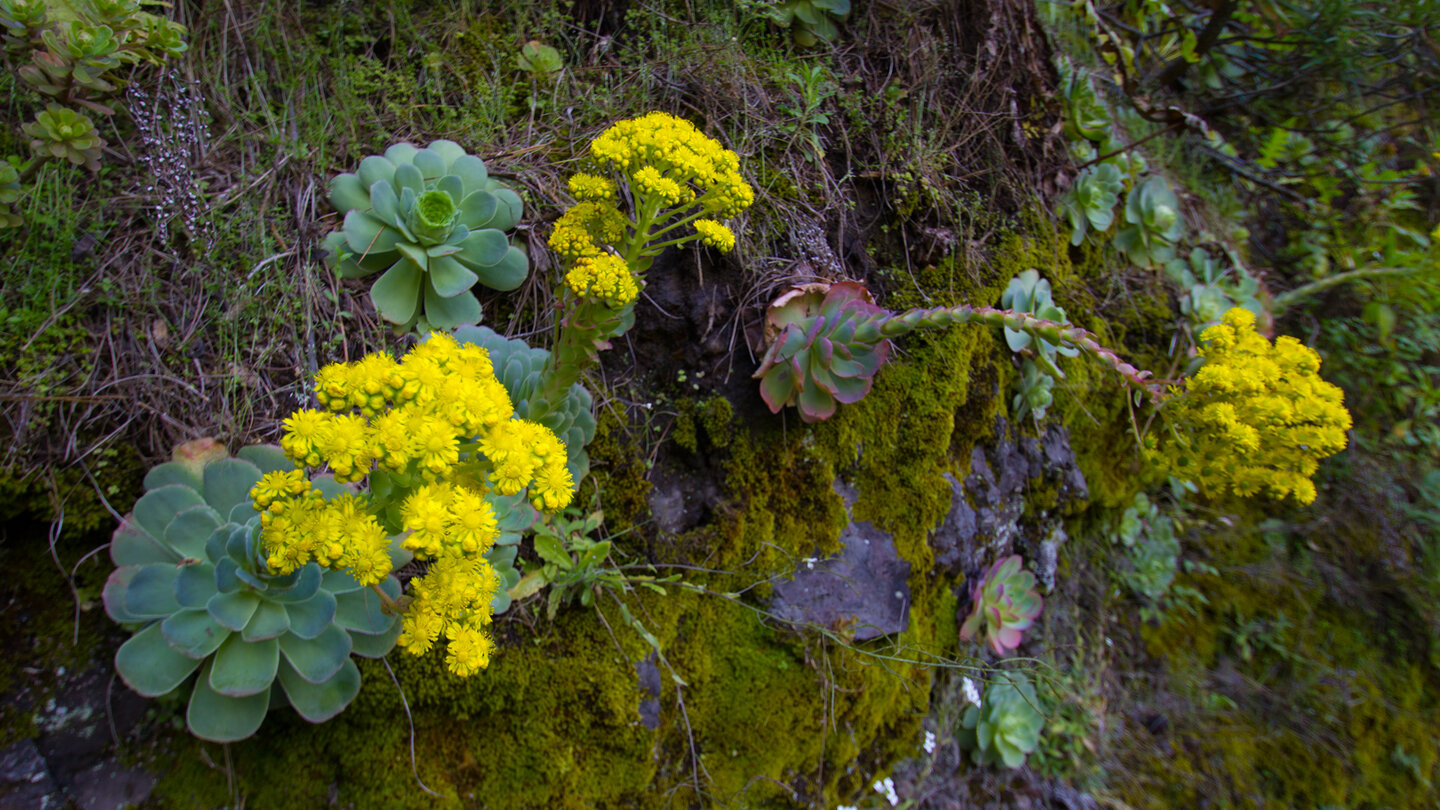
(156,508)
(363,611)
(132,545)
(310,617)
(195,585)
(171,473)
(243,668)
(233,609)
(193,633)
(318,702)
(318,658)
(448,313)
(269,621)
(377,645)
(113,594)
(220,718)
(151,592)
(191,527)
(150,666)
(397,294)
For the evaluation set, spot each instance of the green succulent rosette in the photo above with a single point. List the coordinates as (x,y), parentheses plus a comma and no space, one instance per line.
(63,133)
(811,21)
(1153,214)
(1005,728)
(824,349)
(1034,392)
(1004,604)
(1030,294)
(433,222)
(212,620)
(1090,205)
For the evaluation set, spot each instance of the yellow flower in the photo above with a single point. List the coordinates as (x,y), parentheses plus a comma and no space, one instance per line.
(674,149)
(585,228)
(592,188)
(1255,418)
(468,650)
(715,235)
(604,276)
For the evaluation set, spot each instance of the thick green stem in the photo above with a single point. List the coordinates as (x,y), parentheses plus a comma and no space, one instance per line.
(1286,300)
(1061,334)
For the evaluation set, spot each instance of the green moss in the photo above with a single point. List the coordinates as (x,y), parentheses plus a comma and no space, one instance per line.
(618,470)
(710,418)
(1340,713)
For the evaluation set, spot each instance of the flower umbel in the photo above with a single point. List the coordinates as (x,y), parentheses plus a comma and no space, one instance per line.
(436,433)
(1255,418)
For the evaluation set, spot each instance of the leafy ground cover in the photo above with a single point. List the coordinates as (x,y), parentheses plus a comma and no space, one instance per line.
(1192,651)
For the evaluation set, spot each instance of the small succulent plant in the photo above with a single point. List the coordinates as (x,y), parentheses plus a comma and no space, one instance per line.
(1085,117)
(1033,393)
(541,61)
(1153,213)
(73,50)
(811,21)
(1090,204)
(63,133)
(1211,289)
(1151,548)
(10,193)
(826,342)
(1005,728)
(816,359)
(1004,603)
(1030,294)
(434,221)
(191,577)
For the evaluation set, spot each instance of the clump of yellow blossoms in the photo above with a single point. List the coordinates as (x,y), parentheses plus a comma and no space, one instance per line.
(660,144)
(605,276)
(443,428)
(299,526)
(679,178)
(1256,417)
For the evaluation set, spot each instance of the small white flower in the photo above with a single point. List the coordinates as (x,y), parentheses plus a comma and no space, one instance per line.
(972,693)
(929,744)
(847,807)
(809,562)
(886,788)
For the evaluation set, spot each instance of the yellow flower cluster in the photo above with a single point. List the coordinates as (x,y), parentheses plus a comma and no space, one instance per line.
(651,182)
(299,525)
(589,187)
(586,228)
(605,276)
(452,598)
(453,526)
(675,150)
(715,235)
(416,413)
(448,519)
(1256,417)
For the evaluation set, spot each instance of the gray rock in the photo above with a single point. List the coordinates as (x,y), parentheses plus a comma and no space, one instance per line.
(864,588)
(76,740)
(25,782)
(649,675)
(986,509)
